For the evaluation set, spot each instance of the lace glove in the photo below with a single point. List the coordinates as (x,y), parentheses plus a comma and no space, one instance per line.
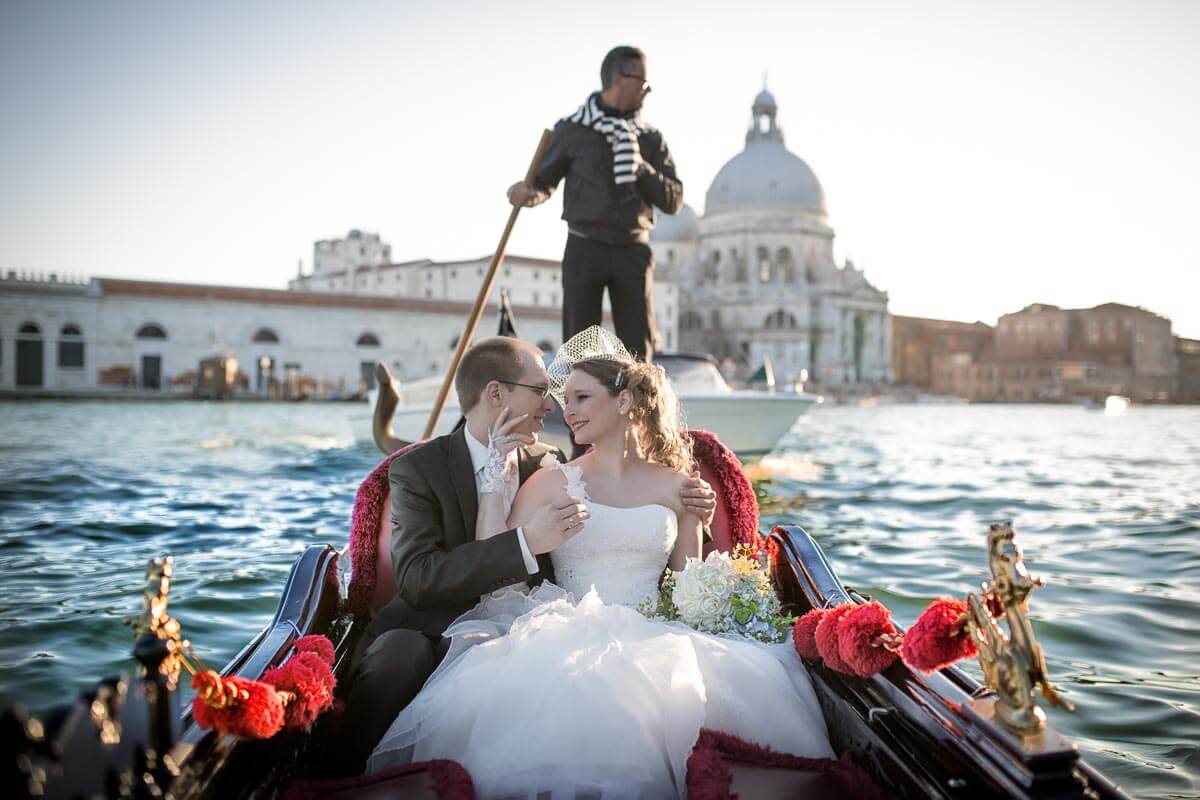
(494,476)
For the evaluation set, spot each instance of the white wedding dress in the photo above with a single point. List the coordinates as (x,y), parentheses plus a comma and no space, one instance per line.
(566,691)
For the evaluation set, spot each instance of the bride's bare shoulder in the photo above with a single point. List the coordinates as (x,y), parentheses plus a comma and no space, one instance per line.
(544,482)
(668,483)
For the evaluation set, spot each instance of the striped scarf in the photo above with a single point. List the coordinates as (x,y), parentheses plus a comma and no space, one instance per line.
(620,132)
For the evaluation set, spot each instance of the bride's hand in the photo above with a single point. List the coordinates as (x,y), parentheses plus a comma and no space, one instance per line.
(501,438)
(501,442)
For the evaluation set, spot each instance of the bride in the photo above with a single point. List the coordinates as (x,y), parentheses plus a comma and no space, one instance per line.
(566,690)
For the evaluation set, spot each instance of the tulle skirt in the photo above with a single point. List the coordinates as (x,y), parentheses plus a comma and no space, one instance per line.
(542,696)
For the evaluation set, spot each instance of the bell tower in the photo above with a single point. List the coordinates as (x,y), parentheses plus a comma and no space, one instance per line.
(763,127)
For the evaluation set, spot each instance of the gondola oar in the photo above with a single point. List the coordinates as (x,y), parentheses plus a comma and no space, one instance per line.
(485,289)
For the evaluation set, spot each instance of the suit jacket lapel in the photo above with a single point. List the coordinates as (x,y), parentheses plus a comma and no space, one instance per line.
(462,472)
(527,464)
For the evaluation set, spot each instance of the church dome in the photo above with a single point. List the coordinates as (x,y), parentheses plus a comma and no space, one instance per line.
(682,226)
(766,173)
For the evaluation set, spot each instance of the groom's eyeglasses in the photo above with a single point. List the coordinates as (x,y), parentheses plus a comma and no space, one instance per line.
(540,391)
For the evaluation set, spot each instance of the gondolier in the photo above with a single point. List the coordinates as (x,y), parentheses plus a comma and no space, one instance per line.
(618,170)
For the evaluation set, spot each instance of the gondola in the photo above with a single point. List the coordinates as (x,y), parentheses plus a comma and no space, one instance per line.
(918,736)
(915,735)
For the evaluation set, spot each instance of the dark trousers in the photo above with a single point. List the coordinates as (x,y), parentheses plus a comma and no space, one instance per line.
(388,670)
(627,271)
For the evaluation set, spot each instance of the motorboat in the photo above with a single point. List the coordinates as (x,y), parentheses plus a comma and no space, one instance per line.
(750,421)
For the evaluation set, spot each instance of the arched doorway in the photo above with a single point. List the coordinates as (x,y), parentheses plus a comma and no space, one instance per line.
(30,355)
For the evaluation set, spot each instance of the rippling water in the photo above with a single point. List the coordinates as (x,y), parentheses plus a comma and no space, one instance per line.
(1107,508)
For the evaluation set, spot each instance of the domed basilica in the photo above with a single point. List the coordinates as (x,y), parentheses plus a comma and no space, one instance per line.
(757,276)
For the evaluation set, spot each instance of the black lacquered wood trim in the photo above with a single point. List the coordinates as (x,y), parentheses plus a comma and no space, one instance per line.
(921,736)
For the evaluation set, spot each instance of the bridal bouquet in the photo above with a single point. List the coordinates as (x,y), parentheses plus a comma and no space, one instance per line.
(723,594)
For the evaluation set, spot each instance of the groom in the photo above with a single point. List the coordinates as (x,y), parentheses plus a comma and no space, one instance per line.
(441,568)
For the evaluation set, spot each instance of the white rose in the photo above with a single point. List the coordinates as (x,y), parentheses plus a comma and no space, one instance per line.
(712,608)
(688,592)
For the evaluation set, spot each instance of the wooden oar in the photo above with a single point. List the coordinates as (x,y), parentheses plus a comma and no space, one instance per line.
(485,289)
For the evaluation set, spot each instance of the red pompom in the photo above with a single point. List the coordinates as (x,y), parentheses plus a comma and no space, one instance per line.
(316,643)
(256,710)
(858,638)
(802,633)
(826,637)
(307,676)
(939,636)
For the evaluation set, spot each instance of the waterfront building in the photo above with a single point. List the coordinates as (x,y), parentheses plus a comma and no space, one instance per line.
(111,335)
(919,343)
(530,282)
(757,275)
(1187,370)
(1044,353)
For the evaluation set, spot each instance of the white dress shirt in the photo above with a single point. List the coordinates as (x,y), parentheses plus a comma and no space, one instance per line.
(479,457)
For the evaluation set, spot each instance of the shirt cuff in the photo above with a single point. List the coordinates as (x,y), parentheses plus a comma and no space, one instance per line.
(531,564)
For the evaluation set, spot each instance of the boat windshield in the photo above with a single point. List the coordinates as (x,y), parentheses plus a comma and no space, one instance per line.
(692,374)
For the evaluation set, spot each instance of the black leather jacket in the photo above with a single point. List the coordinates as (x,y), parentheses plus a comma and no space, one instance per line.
(594,206)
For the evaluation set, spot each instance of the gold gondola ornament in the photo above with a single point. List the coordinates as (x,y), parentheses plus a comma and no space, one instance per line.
(292,695)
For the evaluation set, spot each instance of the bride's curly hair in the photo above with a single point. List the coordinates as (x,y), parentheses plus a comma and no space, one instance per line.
(655,409)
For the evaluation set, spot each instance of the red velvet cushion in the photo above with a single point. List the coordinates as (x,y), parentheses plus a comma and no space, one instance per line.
(736,518)
(436,780)
(722,767)
(372,516)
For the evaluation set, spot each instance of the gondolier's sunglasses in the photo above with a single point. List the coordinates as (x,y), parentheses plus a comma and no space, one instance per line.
(540,391)
(642,78)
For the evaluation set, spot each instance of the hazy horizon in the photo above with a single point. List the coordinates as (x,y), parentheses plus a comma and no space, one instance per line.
(976,157)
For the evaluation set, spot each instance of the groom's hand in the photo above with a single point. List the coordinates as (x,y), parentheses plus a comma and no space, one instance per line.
(699,498)
(554,524)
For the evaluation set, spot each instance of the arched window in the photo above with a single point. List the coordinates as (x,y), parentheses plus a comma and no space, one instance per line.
(764,265)
(691,321)
(265,335)
(151,330)
(716,319)
(368,340)
(70,346)
(780,320)
(30,328)
(784,259)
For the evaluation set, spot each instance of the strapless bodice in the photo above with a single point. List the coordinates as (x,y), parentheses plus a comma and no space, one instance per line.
(620,551)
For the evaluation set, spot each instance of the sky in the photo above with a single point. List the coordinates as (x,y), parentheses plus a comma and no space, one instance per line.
(976,157)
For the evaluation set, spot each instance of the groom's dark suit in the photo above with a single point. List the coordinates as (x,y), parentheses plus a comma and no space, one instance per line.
(441,572)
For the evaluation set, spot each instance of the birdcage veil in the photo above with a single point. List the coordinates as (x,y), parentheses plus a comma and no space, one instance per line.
(592,344)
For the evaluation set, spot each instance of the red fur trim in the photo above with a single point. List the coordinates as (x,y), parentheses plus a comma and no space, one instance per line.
(939,637)
(318,644)
(364,531)
(450,782)
(710,776)
(804,631)
(826,637)
(259,714)
(742,505)
(311,680)
(857,634)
